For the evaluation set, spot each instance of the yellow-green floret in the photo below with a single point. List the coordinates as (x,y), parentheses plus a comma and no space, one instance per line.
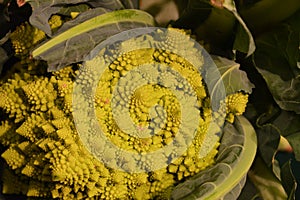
(55,22)
(46,157)
(236,105)
(25,37)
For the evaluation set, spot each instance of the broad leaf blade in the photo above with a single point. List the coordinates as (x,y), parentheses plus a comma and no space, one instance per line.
(130,4)
(109,4)
(73,43)
(235,192)
(288,180)
(249,191)
(217,30)
(262,15)
(87,15)
(233,78)
(194,9)
(114,4)
(79,8)
(244,41)
(265,181)
(215,23)
(271,126)
(43,9)
(294,140)
(285,93)
(236,153)
(268,140)
(225,79)
(277,59)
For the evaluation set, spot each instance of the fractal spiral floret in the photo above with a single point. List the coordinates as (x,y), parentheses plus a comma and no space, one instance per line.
(162,92)
(25,37)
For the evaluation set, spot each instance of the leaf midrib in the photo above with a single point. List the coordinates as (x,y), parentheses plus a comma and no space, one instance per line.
(98,21)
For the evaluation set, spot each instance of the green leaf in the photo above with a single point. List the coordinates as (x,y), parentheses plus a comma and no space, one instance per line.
(217,29)
(288,125)
(81,18)
(233,78)
(114,4)
(193,14)
(249,191)
(287,122)
(268,139)
(67,10)
(294,140)
(273,124)
(288,180)
(262,15)
(285,93)
(276,169)
(225,79)
(73,42)
(131,4)
(244,41)
(43,9)
(276,58)
(265,181)
(236,153)
(216,25)
(235,192)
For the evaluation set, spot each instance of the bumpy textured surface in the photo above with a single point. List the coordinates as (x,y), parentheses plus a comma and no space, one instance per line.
(55,22)
(235,105)
(25,37)
(46,158)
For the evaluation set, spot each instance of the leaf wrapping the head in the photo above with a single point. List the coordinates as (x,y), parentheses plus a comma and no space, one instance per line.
(78,37)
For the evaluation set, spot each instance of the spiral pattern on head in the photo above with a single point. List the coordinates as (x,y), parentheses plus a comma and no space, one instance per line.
(142,98)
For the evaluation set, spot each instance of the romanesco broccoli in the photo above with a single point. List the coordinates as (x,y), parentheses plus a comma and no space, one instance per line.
(46,157)
(25,37)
